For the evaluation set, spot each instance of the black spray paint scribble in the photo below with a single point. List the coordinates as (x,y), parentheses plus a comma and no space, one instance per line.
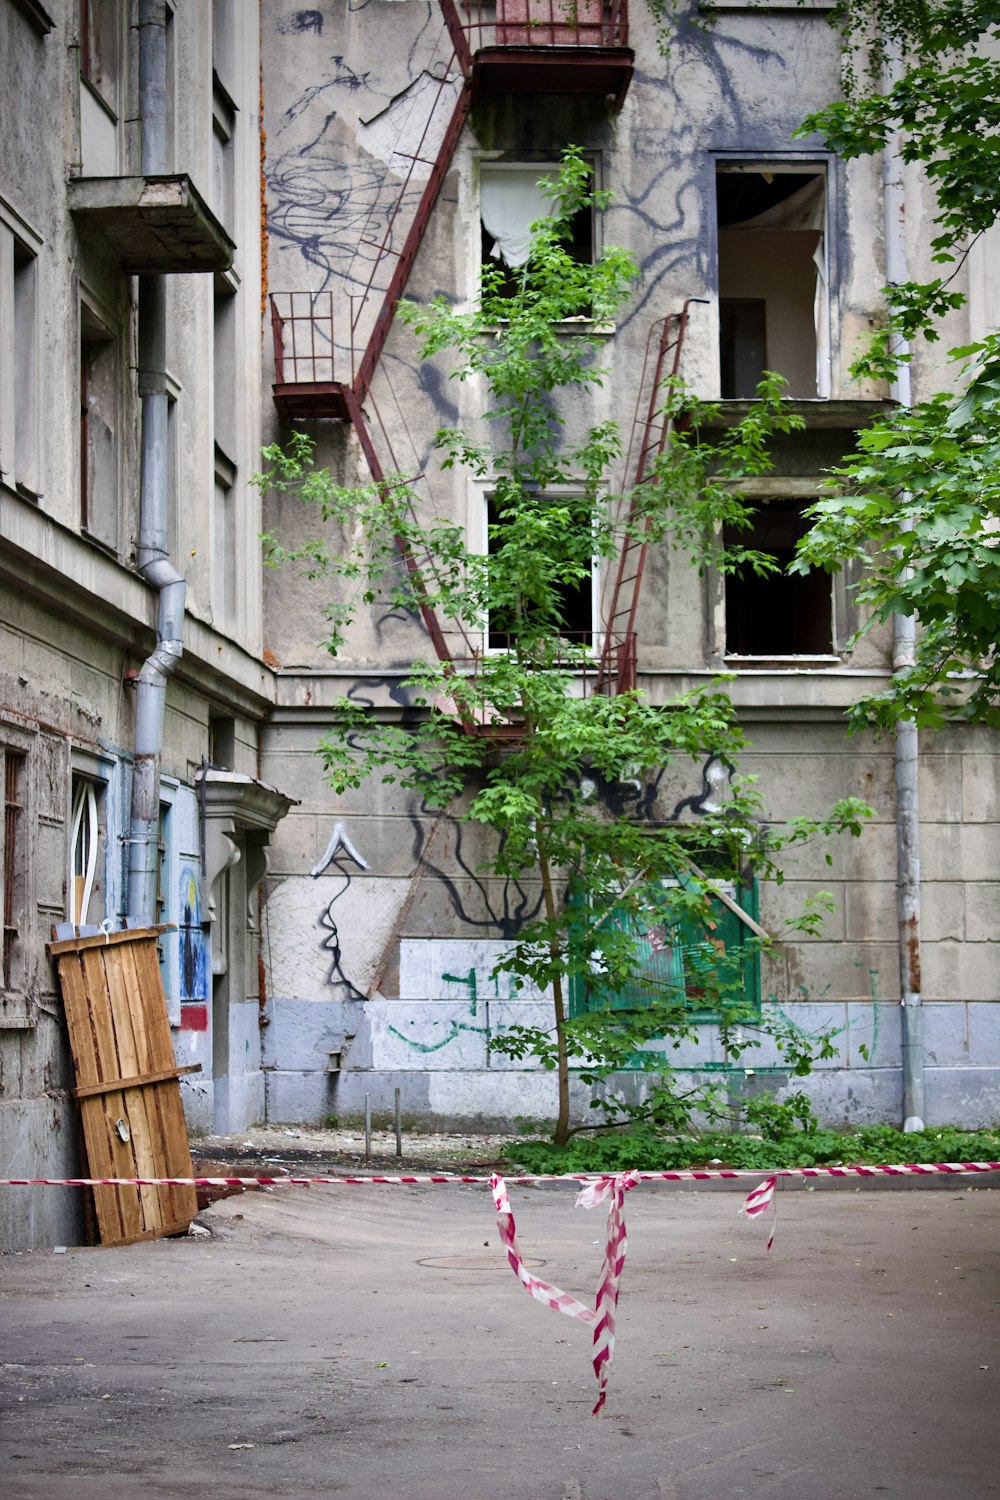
(301,21)
(716,776)
(505,909)
(330,201)
(339,852)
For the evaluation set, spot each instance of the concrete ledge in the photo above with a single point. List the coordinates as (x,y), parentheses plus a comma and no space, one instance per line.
(154,225)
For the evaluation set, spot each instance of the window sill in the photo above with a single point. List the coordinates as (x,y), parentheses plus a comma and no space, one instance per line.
(108,548)
(568,326)
(816,411)
(803,663)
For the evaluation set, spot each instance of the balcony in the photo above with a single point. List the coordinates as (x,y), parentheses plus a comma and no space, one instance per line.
(543,46)
(307,361)
(154,226)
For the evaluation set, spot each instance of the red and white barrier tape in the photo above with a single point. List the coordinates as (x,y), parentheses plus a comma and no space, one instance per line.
(756,1202)
(601,1317)
(693,1174)
(597,1187)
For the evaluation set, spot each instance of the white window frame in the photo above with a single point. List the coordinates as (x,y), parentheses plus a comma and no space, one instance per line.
(491,162)
(843,612)
(20,356)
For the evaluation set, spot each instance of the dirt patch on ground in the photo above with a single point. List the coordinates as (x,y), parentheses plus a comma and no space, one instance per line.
(275,1151)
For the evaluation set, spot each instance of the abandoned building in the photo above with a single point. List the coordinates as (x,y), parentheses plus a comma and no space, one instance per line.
(207,215)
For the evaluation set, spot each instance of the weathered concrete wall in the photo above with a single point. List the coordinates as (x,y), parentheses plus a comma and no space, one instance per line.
(383,953)
(76,622)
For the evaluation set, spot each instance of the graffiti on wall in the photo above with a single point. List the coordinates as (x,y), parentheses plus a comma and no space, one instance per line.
(340,852)
(455,1026)
(192,952)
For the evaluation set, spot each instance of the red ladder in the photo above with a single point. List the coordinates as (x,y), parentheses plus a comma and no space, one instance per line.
(616,672)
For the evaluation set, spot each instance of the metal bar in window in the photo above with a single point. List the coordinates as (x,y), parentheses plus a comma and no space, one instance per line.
(716,890)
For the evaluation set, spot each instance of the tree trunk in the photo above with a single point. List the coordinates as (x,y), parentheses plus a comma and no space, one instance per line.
(561,1135)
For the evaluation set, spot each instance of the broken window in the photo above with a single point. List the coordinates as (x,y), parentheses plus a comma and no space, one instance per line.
(777,614)
(510,201)
(707,964)
(99,422)
(543,584)
(100,49)
(100,86)
(85,885)
(773,276)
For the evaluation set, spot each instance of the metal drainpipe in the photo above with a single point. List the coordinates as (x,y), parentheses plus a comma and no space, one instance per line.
(153,561)
(907,738)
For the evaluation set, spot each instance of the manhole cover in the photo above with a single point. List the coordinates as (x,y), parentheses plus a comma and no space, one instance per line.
(473,1262)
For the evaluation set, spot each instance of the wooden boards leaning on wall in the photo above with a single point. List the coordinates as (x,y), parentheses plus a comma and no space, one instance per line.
(126,1077)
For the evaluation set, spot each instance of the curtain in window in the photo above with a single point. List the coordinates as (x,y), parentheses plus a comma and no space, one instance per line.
(510,201)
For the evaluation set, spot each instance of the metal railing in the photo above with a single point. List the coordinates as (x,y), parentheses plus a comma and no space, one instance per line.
(304,349)
(545,23)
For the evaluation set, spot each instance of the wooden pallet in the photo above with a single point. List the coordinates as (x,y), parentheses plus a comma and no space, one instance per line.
(126,1077)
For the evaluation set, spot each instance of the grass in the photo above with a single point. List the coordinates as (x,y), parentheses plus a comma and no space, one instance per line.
(649,1152)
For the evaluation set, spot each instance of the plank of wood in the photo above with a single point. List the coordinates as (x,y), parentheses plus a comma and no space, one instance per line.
(181,1226)
(165,1099)
(727,900)
(100,940)
(101,1115)
(164,1104)
(109,1203)
(77,1011)
(127,1082)
(149,987)
(129,1028)
(130,1083)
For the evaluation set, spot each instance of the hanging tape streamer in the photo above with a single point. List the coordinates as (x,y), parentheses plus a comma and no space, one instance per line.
(602,1317)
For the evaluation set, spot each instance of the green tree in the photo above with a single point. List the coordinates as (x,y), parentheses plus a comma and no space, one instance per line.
(919,499)
(508,740)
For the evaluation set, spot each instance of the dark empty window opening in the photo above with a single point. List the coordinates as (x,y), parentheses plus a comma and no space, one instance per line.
(773,305)
(574,600)
(777,615)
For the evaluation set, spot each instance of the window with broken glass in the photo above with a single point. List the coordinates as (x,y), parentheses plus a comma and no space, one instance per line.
(512,197)
(773,276)
(562,580)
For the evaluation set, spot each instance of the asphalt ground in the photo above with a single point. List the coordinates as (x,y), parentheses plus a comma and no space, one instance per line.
(371,1342)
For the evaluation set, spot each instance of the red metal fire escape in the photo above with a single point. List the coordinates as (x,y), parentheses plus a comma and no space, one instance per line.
(651,429)
(499,48)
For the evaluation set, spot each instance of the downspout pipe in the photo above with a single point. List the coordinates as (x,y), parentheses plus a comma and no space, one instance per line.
(904,635)
(153,560)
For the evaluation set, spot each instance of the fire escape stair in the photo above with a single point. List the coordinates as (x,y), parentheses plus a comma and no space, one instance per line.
(536,50)
(651,432)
